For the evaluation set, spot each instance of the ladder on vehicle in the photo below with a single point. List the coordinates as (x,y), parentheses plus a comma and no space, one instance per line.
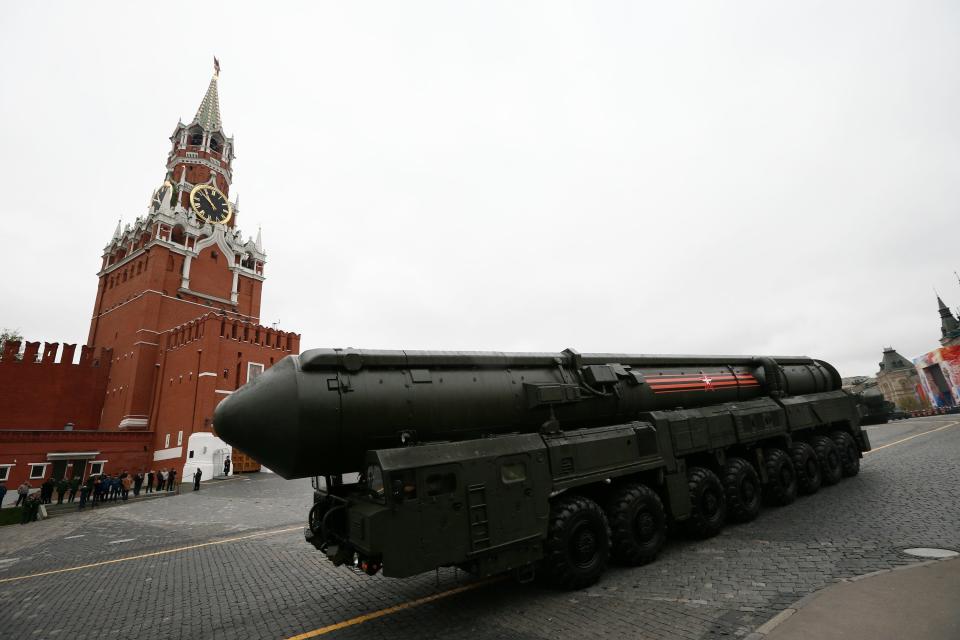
(479,522)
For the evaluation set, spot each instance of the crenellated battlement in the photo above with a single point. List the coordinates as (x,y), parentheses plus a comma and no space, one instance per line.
(52,354)
(46,386)
(232,329)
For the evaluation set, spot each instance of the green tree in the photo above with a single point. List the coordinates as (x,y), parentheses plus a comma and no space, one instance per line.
(12,335)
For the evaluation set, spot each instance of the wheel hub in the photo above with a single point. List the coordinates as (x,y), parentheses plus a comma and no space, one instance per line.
(710,503)
(786,476)
(644,526)
(583,545)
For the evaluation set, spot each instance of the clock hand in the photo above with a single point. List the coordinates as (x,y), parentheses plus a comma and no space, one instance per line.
(208,199)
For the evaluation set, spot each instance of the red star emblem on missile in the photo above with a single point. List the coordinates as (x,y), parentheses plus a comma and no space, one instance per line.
(707,383)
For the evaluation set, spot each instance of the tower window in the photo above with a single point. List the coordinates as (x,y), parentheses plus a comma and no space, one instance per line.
(196,138)
(215,144)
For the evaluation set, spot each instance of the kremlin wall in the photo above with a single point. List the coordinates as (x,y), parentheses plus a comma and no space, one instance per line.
(175,328)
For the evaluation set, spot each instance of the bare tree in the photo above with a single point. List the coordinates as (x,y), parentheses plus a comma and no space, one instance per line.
(13,335)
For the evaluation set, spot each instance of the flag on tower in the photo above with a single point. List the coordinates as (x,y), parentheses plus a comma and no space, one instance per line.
(216,66)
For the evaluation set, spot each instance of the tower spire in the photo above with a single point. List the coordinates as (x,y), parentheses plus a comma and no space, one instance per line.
(949,326)
(208,115)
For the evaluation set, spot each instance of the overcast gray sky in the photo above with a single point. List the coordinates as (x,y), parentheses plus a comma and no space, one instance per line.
(743,177)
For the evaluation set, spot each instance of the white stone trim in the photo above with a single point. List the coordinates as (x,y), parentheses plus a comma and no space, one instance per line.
(152,344)
(73,455)
(206,296)
(255,364)
(255,319)
(223,391)
(102,463)
(5,471)
(204,374)
(167,454)
(185,279)
(219,238)
(42,475)
(134,422)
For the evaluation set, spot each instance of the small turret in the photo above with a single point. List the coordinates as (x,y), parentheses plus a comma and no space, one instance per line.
(949,326)
(893,361)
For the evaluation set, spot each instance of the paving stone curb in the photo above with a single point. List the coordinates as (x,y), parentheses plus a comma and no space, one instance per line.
(764,630)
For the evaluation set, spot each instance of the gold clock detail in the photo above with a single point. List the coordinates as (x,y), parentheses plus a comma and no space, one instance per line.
(210,204)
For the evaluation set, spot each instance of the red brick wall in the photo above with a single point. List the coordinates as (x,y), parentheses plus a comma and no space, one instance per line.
(51,393)
(121,451)
(188,393)
(210,274)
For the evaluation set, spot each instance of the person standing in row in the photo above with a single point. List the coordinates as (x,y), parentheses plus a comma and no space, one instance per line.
(127,482)
(161,479)
(150,475)
(137,483)
(74,487)
(46,491)
(196,479)
(84,492)
(62,486)
(22,491)
(3,491)
(172,479)
(90,484)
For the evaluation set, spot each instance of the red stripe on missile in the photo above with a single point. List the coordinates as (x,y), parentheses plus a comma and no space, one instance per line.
(701,386)
(658,392)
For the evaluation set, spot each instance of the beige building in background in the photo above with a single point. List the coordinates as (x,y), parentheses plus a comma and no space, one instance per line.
(899,381)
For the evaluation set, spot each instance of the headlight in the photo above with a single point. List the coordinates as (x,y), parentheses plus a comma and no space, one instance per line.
(375,480)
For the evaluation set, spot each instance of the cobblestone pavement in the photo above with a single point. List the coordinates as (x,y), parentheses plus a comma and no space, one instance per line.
(260,580)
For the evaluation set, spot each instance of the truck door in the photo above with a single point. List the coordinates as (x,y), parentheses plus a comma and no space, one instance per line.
(515,505)
(443,514)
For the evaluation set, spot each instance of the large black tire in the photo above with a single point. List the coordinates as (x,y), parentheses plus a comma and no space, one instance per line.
(807,466)
(638,524)
(829,458)
(708,505)
(781,487)
(578,543)
(741,484)
(849,453)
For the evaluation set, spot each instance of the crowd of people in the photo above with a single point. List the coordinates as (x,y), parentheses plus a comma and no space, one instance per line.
(98,488)
(105,488)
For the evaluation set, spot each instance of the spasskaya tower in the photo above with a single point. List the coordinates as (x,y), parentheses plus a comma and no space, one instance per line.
(178,299)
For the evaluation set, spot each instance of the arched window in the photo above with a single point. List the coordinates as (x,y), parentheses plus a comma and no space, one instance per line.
(179,235)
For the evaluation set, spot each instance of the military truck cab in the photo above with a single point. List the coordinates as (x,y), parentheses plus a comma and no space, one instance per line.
(481,504)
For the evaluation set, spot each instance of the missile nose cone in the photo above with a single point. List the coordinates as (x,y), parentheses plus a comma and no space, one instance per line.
(261,419)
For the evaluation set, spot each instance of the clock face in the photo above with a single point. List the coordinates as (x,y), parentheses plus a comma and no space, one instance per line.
(210,204)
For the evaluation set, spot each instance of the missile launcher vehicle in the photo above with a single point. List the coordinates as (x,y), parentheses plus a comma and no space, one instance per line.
(539,464)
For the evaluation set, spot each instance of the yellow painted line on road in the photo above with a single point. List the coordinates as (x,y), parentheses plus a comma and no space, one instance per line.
(399,607)
(916,435)
(152,554)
